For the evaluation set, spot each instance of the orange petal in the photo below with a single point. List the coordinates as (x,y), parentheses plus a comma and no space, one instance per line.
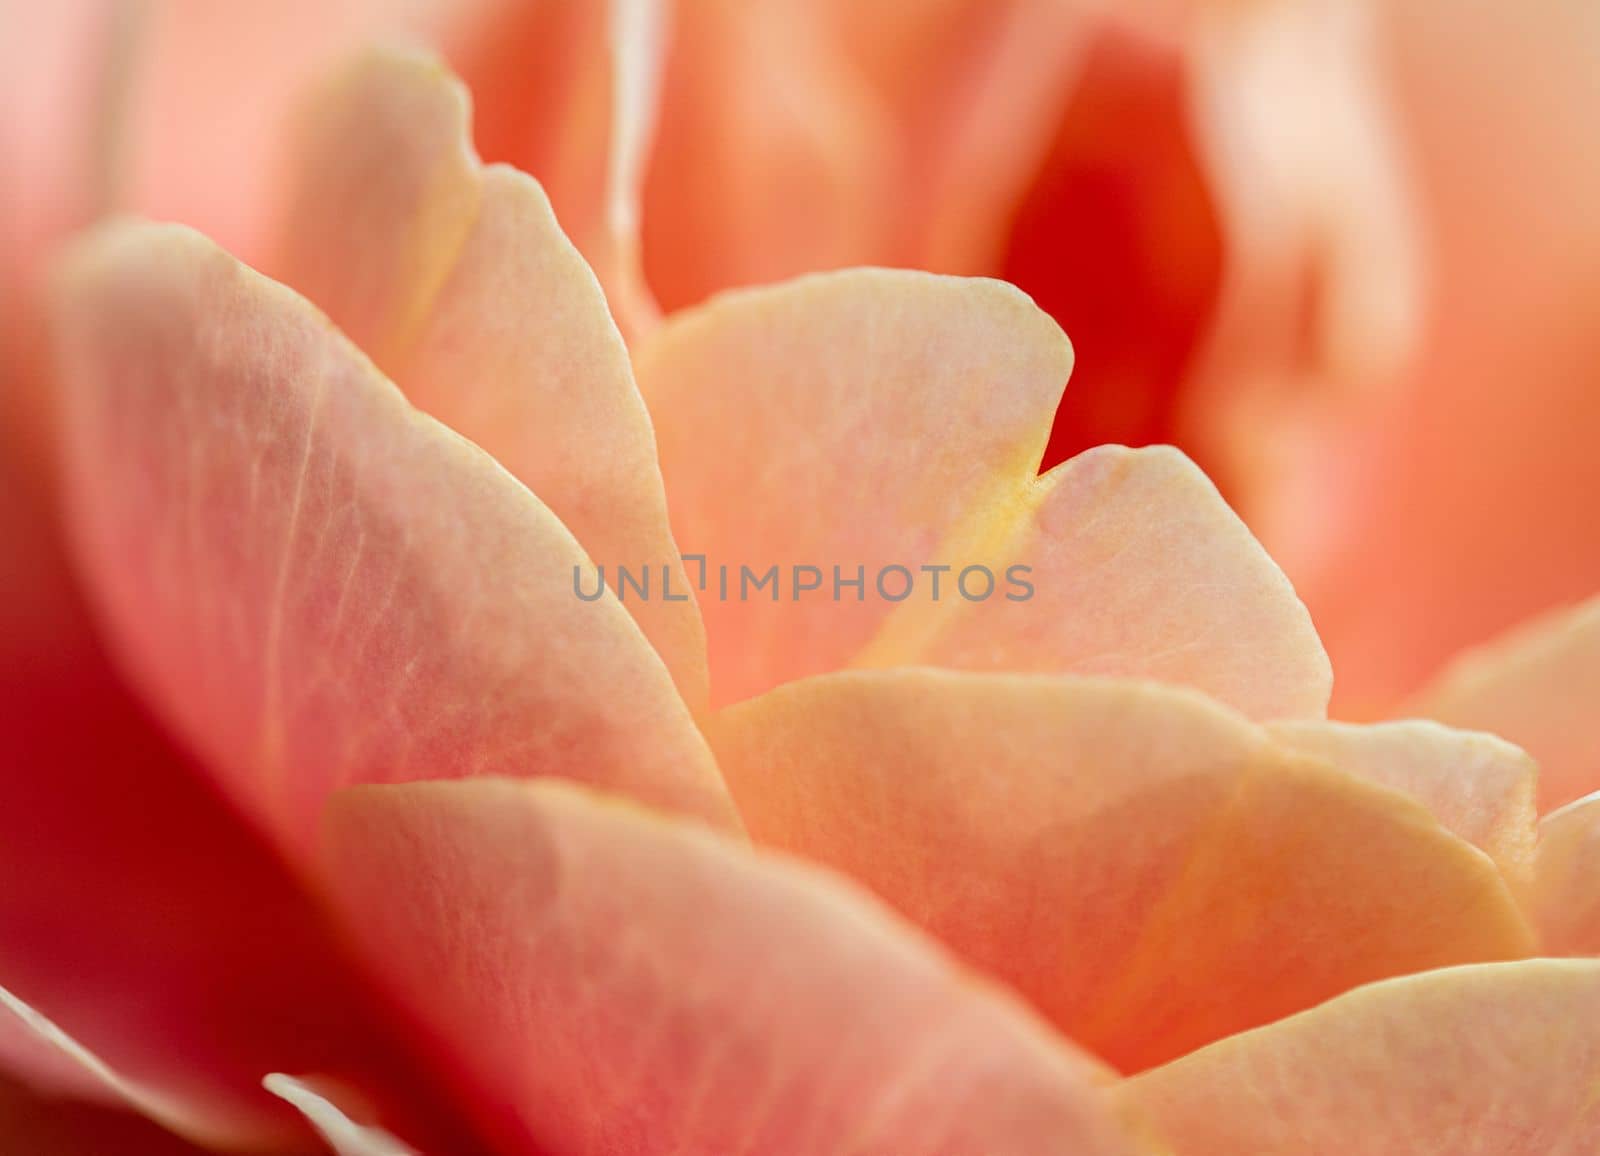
(316,584)
(849,419)
(1077,837)
(1537,686)
(905,131)
(1566,894)
(1136,568)
(463,288)
(568,93)
(1478,786)
(620,983)
(1447,463)
(1498,1058)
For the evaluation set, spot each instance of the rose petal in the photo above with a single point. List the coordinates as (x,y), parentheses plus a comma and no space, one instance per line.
(385,192)
(317,584)
(1136,568)
(1566,894)
(1498,1058)
(1147,867)
(34,1125)
(1118,238)
(906,132)
(726,174)
(1538,686)
(1482,447)
(626,983)
(849,419)
(333,1124)
(465,291)
(62,1065)
(1479,786)
(122,870)
(568,92)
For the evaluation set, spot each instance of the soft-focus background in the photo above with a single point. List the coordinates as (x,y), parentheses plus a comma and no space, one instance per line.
(1343,253)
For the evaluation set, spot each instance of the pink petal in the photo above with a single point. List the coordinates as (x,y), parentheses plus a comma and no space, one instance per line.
(1471,470)
(460,284)
(1538,686)
(1477,785)
(315,583)
(1566,894)
(862,418)
(623,983)
(1498,1058)
(1138,569)
(1147,867)
(569,93)
(906,131)
(233,967)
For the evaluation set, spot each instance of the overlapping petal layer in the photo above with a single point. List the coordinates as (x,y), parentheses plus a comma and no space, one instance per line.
(1566,892)
(877,424)
(122,872)
(1137,568)
(1539,686)
(1469,469)
(1499,1058)
(461,286)
(1479,786)
(1150,869)
(906,132)
(623,983)
(860,419)
(317,584)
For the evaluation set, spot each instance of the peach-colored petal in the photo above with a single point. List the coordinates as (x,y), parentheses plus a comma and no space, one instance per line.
(1135,567)
(569,93)
(1149,868)
(1566,894)
(1538,686)
(317,584)
(1479,786)
(1499,1058)
(973,89)
(788,176)
(624,983)
(207,90)
(384,196)
(853,419)
(333,1123)
(863,134)
(1471,473)
(460,283)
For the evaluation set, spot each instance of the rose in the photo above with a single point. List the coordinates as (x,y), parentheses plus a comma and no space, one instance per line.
(1165,179)
(1158,482)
